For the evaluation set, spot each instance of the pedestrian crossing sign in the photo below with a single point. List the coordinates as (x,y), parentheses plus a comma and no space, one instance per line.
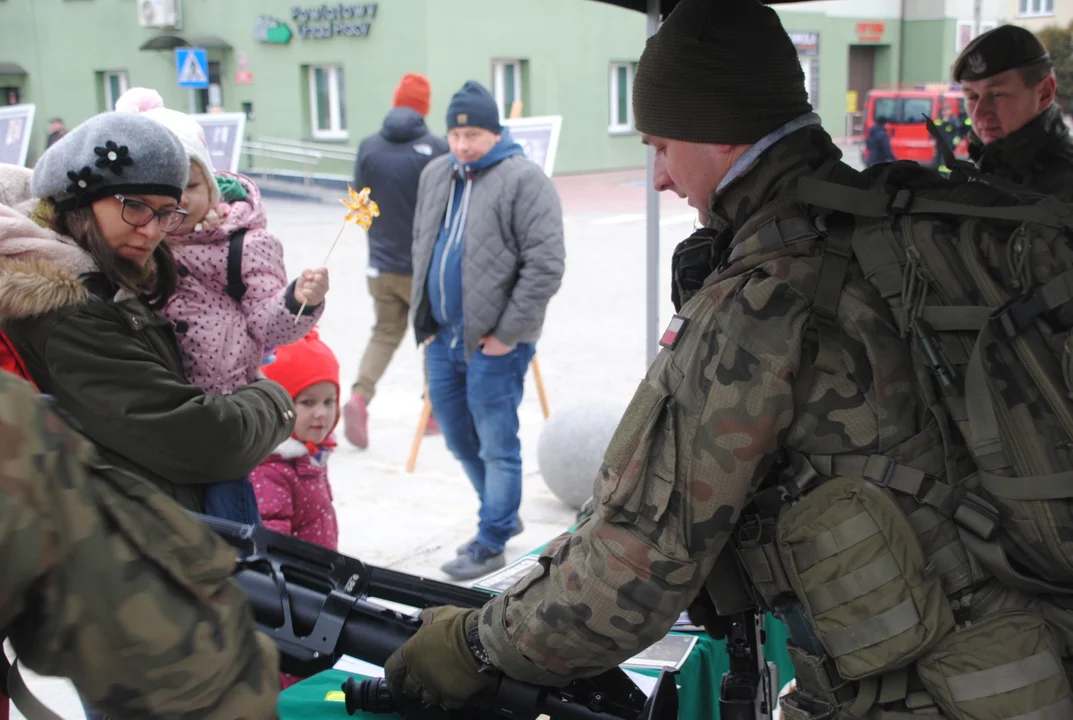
(192,65)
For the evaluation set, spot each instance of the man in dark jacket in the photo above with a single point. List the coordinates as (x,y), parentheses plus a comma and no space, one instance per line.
(878,143)
(390,164)
(1018,133)
(488,256)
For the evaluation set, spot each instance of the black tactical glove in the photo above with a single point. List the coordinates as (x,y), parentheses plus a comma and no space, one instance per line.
(694,259)
(702,613)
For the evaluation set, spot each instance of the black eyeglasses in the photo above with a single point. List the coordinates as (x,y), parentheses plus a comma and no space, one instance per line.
(139,214)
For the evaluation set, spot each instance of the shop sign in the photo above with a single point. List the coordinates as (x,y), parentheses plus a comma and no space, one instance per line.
(807,43)
(271,30)
(870,31)
(327,21)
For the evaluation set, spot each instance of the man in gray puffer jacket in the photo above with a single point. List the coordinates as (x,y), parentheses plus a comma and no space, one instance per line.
(488,256)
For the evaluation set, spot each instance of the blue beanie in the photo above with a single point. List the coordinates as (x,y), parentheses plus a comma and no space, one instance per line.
(473,106)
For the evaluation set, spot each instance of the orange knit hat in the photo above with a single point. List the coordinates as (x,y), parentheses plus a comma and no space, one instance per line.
(414,92)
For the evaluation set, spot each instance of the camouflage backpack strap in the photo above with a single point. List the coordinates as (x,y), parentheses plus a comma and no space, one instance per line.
(1048,211)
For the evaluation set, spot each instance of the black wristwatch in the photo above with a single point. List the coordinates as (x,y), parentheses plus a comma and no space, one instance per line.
(473,642)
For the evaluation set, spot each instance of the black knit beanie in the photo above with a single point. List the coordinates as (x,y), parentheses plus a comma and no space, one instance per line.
(718,71)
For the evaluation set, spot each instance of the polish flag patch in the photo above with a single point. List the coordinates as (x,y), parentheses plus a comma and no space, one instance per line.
(673,333)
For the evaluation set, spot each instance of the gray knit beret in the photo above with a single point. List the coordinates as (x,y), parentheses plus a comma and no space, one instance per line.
(111,153)
(718,71)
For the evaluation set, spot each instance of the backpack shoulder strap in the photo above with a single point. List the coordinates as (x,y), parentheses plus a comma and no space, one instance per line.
(236,289)
(23,699)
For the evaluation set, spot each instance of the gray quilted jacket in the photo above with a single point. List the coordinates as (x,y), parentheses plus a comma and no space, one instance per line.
(513,253)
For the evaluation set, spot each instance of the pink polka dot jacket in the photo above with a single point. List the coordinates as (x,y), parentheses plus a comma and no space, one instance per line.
(223,341)
(294,496)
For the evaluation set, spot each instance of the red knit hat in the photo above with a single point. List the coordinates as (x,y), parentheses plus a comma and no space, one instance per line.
(303,364)
(414,92)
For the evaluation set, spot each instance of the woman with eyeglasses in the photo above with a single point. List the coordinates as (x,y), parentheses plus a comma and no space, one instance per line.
(82,269)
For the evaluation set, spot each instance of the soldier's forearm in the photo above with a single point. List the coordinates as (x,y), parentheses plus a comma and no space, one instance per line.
(554,628)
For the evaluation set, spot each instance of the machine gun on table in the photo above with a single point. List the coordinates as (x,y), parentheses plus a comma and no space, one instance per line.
(314,603)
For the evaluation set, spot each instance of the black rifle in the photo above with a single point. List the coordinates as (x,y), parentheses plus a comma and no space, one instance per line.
(751,686)
(314,604)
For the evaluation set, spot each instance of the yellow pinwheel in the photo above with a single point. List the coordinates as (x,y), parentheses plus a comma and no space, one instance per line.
(362,209)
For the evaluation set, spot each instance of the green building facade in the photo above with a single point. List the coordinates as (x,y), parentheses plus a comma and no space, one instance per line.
(318,75)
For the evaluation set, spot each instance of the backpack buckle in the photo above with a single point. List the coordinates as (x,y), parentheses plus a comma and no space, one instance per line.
(879,470)
(900,202)
(977,516)
(1018,314)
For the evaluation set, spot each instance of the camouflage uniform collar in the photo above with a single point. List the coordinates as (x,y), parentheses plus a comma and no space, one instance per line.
(1018,150)
(799,153)
(749,158)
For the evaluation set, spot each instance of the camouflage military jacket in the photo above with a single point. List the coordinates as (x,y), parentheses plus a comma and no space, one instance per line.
(703,431)
(108,582)
(1038,156)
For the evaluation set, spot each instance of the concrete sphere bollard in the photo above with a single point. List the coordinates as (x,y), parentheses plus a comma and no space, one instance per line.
(572,445)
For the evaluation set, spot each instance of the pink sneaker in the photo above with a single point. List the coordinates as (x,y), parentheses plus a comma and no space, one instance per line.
(356,421)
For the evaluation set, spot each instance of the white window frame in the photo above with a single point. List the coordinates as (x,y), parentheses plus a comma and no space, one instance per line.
(1035,8)
(613,125)
(336,131)
(106,79)
(499,85)
(985,26)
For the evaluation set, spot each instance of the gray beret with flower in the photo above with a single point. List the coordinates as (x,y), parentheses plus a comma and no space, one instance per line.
(108,154)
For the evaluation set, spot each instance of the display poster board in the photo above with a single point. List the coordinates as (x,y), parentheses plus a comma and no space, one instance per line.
(224,133)
(539,138)
(16,126)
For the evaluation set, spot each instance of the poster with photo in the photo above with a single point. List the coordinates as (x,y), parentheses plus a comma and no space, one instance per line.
(224,133)
(16,126)
(539,138)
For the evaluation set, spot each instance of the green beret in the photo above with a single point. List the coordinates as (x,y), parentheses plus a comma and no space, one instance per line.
(1007,47)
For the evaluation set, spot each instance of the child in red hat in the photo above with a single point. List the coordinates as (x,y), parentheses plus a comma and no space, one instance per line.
(292,489)
(293,493)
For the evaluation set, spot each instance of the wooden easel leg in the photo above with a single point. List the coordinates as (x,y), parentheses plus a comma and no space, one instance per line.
(422,423)
(541,393)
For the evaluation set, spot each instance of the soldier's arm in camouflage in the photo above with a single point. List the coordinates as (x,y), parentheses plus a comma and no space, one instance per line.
(697,439)
(109,583)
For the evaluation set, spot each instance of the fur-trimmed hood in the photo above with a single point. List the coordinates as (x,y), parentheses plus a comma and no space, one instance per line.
(39,268)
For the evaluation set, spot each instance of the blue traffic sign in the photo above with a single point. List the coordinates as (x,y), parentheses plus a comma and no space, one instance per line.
(192,66)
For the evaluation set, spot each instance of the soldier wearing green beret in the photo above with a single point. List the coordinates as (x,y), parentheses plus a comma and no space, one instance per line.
(1018,133)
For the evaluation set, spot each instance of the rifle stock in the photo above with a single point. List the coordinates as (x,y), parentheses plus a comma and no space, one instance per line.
(314,603)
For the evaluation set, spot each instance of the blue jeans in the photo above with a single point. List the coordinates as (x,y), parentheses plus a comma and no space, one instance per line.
(476,406)
(232,500)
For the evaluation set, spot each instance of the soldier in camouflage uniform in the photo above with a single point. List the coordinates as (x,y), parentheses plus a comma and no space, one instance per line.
(1018,133)
(748,384)
(109,583)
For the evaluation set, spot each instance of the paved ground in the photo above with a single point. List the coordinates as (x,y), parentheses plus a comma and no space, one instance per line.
(592,350)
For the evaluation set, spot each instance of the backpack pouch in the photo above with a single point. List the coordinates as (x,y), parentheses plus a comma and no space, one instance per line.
(860,573)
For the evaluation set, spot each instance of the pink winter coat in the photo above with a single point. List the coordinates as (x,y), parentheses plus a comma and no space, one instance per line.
(294,496)
(222,341)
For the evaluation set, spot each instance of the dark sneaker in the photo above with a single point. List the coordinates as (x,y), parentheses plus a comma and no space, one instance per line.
(477,561)
(518,529)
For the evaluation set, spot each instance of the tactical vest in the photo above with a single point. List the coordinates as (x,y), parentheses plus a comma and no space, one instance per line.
(872,560)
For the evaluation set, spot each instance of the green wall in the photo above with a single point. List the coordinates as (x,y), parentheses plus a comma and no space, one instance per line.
(930,45)
(836,35)
(568,45)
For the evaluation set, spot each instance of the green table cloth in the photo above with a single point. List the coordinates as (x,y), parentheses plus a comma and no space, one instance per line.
(698,681)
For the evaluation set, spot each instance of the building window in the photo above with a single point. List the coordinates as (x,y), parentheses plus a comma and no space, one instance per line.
(1032,8)
(114,85)
(621,92)
(506,85)
(964,33)
(327,102)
